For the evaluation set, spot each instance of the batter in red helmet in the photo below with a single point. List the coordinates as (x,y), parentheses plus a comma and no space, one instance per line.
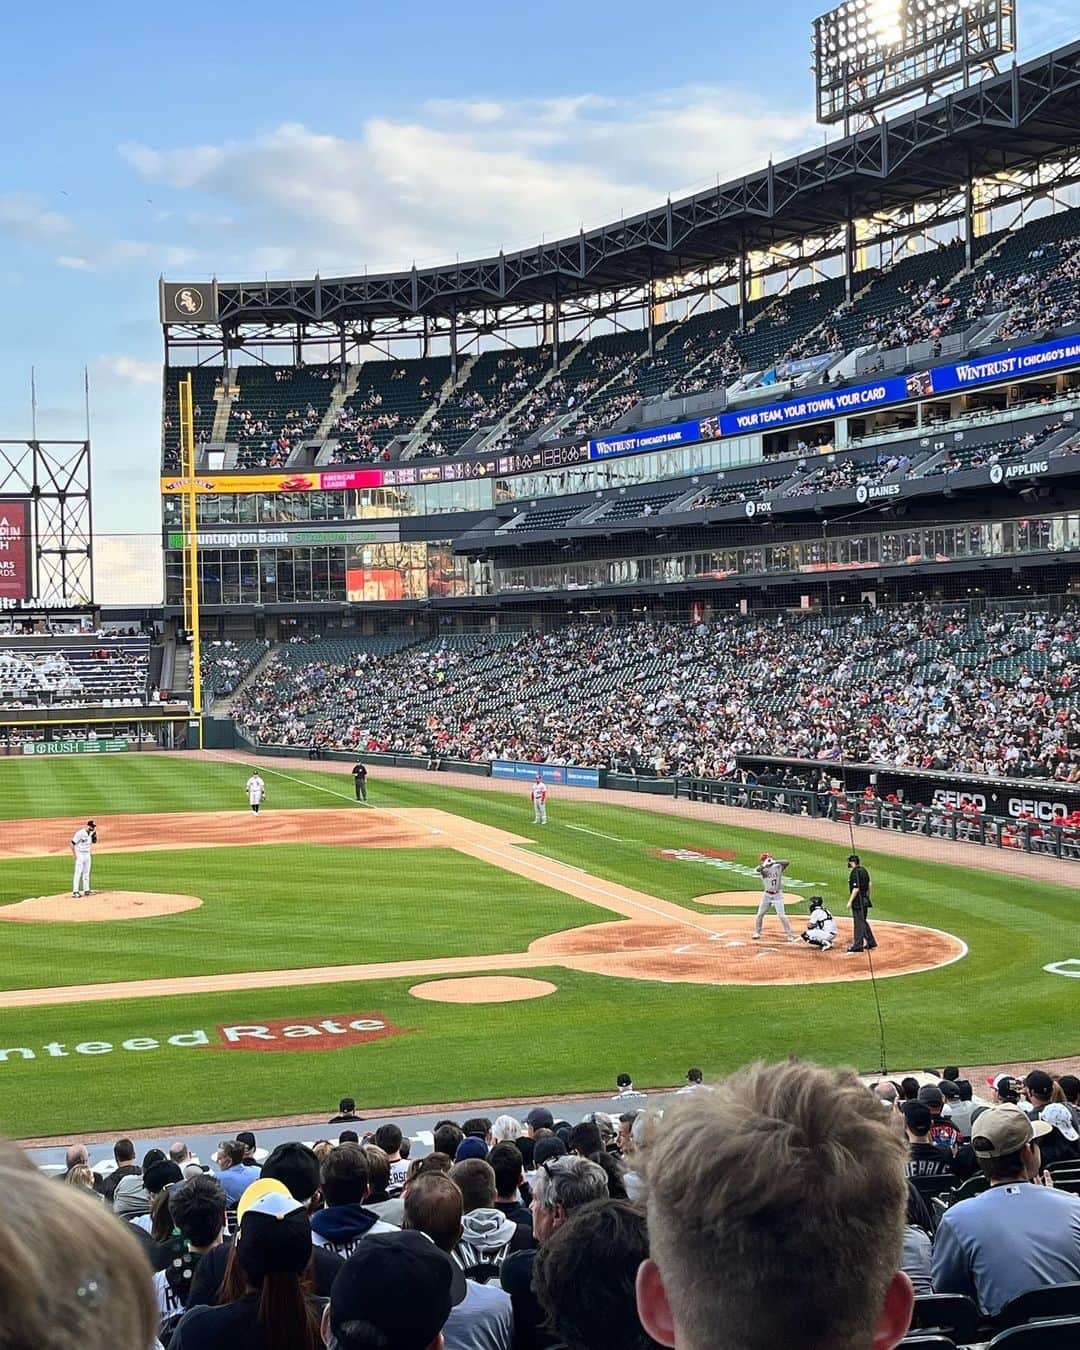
(771,871)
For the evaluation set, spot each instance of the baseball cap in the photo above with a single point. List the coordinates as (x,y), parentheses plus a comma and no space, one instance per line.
(472,1147)
(160,1174)
(274,1237)
(949,1089)
(931,1095)
(256,1191)
(1039,1082)
(296,1167)
(540,1118)
(765,857)
(918,1117)
(398,1284)
(1059,1115)
(1003,1130)
(1004,1082)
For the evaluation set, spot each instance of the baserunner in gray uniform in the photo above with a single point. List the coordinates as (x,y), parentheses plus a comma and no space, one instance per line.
(771,870)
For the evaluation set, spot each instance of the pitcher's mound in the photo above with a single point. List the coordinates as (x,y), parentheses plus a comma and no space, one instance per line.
(482,989)
(101,907)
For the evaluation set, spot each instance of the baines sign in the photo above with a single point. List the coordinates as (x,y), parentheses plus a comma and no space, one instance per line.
(278,1036)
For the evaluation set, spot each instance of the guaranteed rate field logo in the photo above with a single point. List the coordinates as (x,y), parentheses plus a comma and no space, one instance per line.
(725,860)
(281,1035)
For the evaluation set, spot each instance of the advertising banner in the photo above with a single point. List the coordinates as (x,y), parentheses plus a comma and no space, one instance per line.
(287,538)
(830,403)
(551,773)
(103,745)
(15,580)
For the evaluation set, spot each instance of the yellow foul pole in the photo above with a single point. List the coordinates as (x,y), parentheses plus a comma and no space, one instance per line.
(189,518)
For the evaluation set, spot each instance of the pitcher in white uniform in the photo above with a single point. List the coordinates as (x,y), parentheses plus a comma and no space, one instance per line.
(771,870)
(256,791)
(81,843)
(539,801)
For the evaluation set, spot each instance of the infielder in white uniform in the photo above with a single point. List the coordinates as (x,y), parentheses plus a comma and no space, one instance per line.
(539,801)
(771,870)
(81,843)
(256,791)
(821,926)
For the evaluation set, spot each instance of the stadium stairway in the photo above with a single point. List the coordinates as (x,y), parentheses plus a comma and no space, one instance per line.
(223,702)
(497,430)
(338,395)
(181,670)
(224,396)
(414,445)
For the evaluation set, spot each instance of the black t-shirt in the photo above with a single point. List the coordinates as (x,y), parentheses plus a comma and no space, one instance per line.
(859,878)
(360,771)
(927,1160)
(211,1271)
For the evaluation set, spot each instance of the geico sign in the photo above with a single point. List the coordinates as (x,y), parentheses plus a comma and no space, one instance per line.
(329,1033)
(942,797)
(1042,810)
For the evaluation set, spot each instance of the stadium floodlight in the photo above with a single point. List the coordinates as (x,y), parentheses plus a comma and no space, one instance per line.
(869,54)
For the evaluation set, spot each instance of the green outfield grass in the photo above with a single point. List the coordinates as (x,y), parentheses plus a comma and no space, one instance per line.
(278,906)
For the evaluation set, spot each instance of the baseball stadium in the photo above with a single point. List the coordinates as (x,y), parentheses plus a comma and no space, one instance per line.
(579,673)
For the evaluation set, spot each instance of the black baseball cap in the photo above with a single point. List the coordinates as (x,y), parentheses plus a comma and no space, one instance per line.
(398,1285)
(296,1167)
(918,1118)
(540,1118)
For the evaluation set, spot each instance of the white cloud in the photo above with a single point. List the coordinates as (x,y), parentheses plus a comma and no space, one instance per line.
(75,264)
(127,569)
(133,369)
(25,217)
(465,177)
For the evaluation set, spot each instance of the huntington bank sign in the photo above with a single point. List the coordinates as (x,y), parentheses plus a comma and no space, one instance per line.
(281,1036)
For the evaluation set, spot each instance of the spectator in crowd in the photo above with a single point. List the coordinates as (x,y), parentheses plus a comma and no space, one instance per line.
(394,1293)
(271,1309)
(82,1178)
(291,1169)
(505,1130)
(488,1235)
(506,1162)
(250,1151)
(1070,1090)
(562,1185)
(389,1139)
(1015,1236)
(70,1276)
(346,1111)
(236,1175)
(786,1167)
(943,1132)
(694,1079)
(584,1277)
(1038,1092)
(1004,1090)
(124,1155)
(446,1137)
(77,1156)
(1062,1144)
(925,1159)
(481,1318)
(197,1209)
(345,1221)
(157,1176)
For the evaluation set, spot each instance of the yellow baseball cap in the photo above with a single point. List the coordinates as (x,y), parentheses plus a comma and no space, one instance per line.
(256,1191)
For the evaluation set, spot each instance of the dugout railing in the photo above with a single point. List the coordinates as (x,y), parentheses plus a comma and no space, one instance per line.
(932,822)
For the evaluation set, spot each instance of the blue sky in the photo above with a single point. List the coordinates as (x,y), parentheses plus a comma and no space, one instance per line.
(243,140)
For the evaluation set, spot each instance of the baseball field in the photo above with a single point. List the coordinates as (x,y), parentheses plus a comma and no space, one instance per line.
(434,945)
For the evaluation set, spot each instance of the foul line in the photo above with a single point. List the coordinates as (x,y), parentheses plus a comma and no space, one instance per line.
(583,829)
(317,787)
(524,860)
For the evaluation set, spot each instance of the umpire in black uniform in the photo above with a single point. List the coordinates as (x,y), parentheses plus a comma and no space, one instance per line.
(359,774)
(859,903)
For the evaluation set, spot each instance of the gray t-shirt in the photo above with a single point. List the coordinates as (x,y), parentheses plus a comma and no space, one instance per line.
(484,1321)
(1006,1241)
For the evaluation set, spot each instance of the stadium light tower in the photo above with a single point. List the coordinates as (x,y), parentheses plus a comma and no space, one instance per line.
(872,54)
